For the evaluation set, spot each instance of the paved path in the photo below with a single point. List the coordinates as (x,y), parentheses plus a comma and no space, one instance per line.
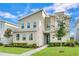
(29,53)
(7,54)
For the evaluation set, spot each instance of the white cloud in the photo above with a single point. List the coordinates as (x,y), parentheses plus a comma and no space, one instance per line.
(67,13)
(64,6)
(58,7)
(77,18)
(48,8)
(34,10)
(7,15)
(26,11)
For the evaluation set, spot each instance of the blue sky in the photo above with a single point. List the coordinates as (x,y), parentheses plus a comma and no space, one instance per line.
(11,12)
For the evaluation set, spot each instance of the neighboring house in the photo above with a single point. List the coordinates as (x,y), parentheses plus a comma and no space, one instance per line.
(40,28)
(76,31)
(3,26)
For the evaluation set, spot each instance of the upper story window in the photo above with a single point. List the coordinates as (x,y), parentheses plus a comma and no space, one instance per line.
(65,18)
(22,25)
(34,25)
(28,25)
(48,25)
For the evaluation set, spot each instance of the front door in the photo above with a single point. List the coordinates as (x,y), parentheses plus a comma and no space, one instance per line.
(47,38)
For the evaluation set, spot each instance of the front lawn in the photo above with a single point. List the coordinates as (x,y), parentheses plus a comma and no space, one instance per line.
(14,50)
(54,51)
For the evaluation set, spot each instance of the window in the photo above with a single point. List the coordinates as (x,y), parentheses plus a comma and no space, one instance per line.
(22,25)
(1,25)
(28,25)
(58,22)
(17,36)
(65,18)
(31,37)
(59,38)
(34,25)
(53,37)
(24,38)
(78,29)
(48,25)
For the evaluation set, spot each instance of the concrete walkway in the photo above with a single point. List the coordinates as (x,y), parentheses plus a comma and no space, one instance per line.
(29,53)
(7,54)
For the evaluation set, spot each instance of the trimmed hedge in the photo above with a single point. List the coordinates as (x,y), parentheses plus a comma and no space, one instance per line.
(54,44)
(1,44)
(23,45)
(58,44)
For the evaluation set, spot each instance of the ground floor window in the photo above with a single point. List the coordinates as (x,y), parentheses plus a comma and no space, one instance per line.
(17,36)
(59,38)
(24,38)
(31,36)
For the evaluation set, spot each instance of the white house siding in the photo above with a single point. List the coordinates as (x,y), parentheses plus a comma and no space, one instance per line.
(39,36)
(27,34)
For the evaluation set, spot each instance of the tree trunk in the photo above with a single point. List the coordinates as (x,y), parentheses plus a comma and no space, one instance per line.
(61,48)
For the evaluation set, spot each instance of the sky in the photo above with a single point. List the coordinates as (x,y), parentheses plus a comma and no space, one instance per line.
(11,12)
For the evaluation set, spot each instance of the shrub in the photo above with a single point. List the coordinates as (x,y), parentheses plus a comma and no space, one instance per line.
(57,44)
(23,45)
(29,46)
(71,43)
(34,45)
(76,42)
(1,44)
(8,45)
(51,45)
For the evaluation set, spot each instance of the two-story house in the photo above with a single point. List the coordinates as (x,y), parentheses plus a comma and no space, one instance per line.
(40,28)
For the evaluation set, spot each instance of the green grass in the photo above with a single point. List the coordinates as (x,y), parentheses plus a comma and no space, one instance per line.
(54,51)
(14,50)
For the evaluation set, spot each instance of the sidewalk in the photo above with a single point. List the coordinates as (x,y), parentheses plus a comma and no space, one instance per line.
(29,53)
(7,54)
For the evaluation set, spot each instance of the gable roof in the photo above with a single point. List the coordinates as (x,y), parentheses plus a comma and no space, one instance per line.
(32,14)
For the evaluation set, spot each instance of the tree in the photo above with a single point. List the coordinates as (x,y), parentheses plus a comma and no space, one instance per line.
(61,31)
(8,33)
